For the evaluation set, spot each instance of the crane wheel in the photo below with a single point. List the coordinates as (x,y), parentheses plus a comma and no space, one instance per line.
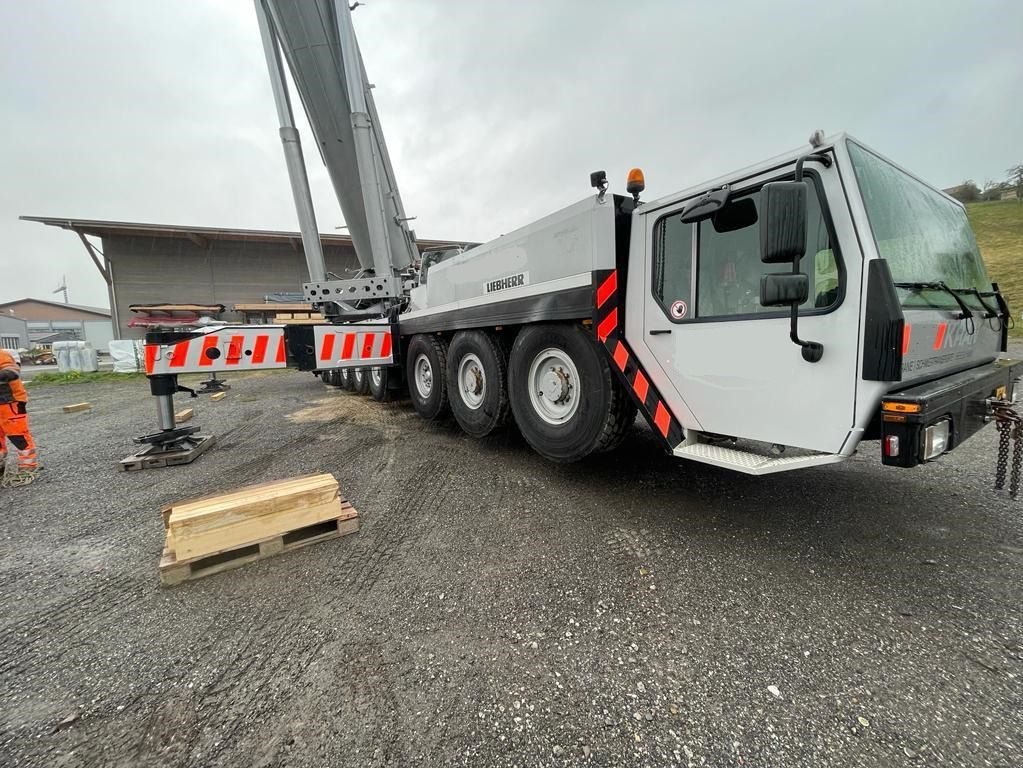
(477,382)
(345,379)
(427,381)
(382,383)
(360,381)
(565,399)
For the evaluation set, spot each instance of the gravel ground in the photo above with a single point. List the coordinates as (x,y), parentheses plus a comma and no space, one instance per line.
(498,609)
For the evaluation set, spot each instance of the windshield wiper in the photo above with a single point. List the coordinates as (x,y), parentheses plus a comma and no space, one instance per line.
(988,312)
(940,285)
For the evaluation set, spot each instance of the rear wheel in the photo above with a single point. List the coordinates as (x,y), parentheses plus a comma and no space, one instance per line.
(427,386)
(477,383)
(382,383)
(344,378)
(563,393)
(332,377)
(360,381)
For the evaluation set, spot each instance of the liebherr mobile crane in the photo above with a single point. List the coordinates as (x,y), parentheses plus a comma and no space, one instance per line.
(767,320)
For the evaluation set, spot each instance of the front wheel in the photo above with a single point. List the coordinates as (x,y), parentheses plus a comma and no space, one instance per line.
(565,399)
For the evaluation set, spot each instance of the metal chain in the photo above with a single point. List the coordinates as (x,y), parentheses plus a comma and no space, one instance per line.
(1017,458)
(1010,426)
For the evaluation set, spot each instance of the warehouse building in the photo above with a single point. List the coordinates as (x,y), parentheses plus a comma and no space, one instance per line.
(13,332)
(152,264)
(48,322)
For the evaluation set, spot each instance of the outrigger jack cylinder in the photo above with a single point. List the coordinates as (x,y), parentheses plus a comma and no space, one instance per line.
(172,445)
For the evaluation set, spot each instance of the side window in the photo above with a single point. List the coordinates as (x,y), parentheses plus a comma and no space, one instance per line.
(729,266)
(673,267)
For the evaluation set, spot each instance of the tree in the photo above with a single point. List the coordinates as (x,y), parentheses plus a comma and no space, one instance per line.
(993,190)
(967,192)
(1016,179)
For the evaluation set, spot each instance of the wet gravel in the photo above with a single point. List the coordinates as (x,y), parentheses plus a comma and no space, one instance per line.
(498,609)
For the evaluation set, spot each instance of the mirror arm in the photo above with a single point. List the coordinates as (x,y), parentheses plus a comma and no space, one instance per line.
(820,157)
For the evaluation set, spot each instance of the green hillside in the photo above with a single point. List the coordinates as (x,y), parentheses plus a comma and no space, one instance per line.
(999,229)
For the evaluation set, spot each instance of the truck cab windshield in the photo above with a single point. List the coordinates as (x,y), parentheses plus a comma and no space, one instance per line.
(924,236)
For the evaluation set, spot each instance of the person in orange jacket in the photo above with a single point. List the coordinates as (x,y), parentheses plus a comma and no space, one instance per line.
(14,423)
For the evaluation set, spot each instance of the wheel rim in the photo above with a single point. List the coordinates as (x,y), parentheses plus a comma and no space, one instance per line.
(472,382)
(376,375)
(357,377)
(423,375)
(554,386)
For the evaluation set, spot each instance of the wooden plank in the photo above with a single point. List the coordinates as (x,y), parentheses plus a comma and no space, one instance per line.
(70,409)
(209,513)
(274,307)
(218,396)
(297,321)
(323,483)
(249,515)
(173,570)
(183,416)
(283,316)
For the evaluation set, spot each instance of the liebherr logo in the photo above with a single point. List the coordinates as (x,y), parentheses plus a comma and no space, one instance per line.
(502,284)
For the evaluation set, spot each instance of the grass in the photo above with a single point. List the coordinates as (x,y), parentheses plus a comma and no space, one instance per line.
(999,229)
(75,377)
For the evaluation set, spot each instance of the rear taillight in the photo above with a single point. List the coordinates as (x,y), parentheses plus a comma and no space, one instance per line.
(891,445)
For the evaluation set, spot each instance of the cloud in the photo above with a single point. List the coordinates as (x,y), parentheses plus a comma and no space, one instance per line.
(495,113)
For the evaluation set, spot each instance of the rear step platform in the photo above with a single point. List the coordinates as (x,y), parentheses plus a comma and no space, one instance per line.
(750,462)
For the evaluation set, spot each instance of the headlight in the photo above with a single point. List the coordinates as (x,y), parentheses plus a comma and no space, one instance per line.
(935,441)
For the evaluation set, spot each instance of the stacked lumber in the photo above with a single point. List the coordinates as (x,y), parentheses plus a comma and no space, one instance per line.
(298,318)
(208,535)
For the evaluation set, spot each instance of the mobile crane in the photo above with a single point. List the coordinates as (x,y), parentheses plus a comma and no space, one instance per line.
(768,320)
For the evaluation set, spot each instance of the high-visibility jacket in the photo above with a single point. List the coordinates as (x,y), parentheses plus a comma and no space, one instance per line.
(11,390)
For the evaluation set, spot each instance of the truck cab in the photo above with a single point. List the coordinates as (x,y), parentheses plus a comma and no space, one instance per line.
(904,320)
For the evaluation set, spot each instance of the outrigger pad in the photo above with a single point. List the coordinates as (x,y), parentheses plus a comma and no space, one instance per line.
(181,452)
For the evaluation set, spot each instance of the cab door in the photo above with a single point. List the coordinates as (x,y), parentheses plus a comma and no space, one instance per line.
(726,364)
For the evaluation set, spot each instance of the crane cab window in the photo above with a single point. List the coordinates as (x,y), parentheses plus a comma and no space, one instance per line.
(728,267)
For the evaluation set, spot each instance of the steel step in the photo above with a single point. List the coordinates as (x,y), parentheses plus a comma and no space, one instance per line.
(749,462)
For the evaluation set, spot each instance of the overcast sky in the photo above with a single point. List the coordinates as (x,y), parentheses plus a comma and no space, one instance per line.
(494,112)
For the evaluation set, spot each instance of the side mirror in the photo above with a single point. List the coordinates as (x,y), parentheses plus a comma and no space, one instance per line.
(782,222)
(784,289)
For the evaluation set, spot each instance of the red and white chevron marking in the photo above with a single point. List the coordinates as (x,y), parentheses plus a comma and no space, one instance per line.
(230,348)
(356,345)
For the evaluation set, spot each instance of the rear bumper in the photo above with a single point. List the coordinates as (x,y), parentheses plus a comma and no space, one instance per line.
(959,398)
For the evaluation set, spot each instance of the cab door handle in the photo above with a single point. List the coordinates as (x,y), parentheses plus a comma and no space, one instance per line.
(656,331)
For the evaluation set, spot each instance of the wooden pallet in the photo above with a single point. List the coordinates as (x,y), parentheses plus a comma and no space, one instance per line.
(152,457)
(173,571)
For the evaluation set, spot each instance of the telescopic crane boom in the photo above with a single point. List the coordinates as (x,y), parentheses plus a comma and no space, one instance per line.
(319,44)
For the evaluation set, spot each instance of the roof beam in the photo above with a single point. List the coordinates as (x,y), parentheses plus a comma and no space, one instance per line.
(95,260)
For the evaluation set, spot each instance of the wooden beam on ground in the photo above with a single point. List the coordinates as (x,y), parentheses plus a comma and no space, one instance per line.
(218,396)
(253,514)
(72,408)
(183,416)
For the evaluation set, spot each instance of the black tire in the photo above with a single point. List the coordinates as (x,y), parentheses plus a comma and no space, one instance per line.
(345,379)
(430,402)
(381,383)
(360,381)
(329,377)
(590,406)
(480,406)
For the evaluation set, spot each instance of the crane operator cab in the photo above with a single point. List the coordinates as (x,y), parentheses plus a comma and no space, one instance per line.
(798,303)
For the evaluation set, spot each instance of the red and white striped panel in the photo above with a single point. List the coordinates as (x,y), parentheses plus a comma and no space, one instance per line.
(360,344)
(228,348)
